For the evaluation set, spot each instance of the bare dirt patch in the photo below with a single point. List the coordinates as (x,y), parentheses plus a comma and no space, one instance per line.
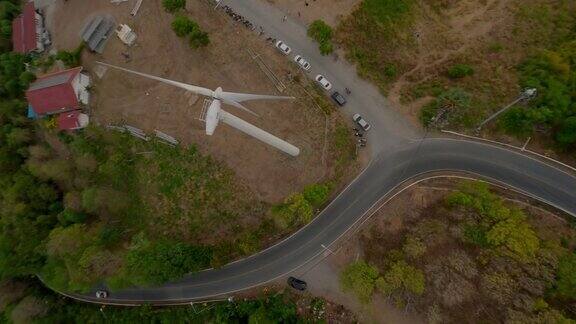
(121,98)
(330,11)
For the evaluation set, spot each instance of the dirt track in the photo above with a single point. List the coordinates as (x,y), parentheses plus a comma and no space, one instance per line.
(122,98)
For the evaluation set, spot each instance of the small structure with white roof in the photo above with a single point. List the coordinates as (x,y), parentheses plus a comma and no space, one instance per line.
(126,35)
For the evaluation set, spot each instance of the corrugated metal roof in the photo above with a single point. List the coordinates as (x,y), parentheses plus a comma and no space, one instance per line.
(53,93)
(24,30)
(97,31)
(50,82)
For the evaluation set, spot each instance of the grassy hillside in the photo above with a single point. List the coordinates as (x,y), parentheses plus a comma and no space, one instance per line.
(469,58)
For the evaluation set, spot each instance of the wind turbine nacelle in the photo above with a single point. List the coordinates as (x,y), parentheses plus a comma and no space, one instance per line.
(212,116)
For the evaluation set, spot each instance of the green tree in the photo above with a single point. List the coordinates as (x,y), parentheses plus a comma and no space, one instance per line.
(71,59)
(173,5)
(414,247)
(566,278)
(183,25)
(199,39)
(497,226)
(401,277)
(359,278)
(295,210)
(515,235)
(566,134)
(316,194)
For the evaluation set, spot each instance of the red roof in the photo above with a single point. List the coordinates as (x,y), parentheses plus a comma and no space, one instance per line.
(24,30)
(53,93)
(68,120)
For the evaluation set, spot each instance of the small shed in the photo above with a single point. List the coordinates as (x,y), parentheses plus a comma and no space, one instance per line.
(126,35)
(96,32)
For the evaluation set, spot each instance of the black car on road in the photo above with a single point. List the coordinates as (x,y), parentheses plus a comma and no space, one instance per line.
(340,100)
(297,284)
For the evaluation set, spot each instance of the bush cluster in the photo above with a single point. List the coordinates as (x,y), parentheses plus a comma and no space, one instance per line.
(322,33)
(185,27)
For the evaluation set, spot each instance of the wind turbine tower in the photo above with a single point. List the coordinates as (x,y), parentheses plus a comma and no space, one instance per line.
(215,114)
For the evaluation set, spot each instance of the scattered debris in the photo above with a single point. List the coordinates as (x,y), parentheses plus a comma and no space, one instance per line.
(166,138)
(121,129)
(136,8)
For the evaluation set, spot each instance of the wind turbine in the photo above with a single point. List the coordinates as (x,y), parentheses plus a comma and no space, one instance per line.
(215,114)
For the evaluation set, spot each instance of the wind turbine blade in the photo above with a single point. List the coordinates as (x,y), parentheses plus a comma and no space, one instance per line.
(258,133)
(189,87)
(238,105)
(240,97)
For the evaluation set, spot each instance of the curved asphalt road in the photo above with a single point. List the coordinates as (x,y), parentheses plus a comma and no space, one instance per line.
(492,163)
(397,155)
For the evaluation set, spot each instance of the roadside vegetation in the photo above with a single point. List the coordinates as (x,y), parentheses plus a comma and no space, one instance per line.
(468,257)
(461,61)
(27,303)
(322,34)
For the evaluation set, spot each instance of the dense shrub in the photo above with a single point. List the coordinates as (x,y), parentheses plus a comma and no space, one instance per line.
(185,27)
(400,277)
(71,59)
(566,284)
(173,5)
(553,74)
(322,33)
(499,227)
(359,278)
(159,262)
(452,100)
(460,70)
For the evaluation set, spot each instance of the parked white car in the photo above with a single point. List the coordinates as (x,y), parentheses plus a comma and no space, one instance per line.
(302,62)
(282,47)
(361,122)
(323,82)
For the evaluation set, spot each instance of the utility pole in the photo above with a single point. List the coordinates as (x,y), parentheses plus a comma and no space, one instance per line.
(526,95)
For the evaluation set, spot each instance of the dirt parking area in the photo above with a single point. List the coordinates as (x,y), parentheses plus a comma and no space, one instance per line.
(122,98)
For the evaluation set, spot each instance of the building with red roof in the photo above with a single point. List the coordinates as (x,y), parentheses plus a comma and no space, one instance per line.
(28,32)
(58,94)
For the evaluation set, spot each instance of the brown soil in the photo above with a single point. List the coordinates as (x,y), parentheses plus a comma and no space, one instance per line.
(330,11)
(444,37)
(120,98)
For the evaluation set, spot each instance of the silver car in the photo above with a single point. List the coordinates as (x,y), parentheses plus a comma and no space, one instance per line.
(302,62)
(323,82)
(282,47)
(361,122)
